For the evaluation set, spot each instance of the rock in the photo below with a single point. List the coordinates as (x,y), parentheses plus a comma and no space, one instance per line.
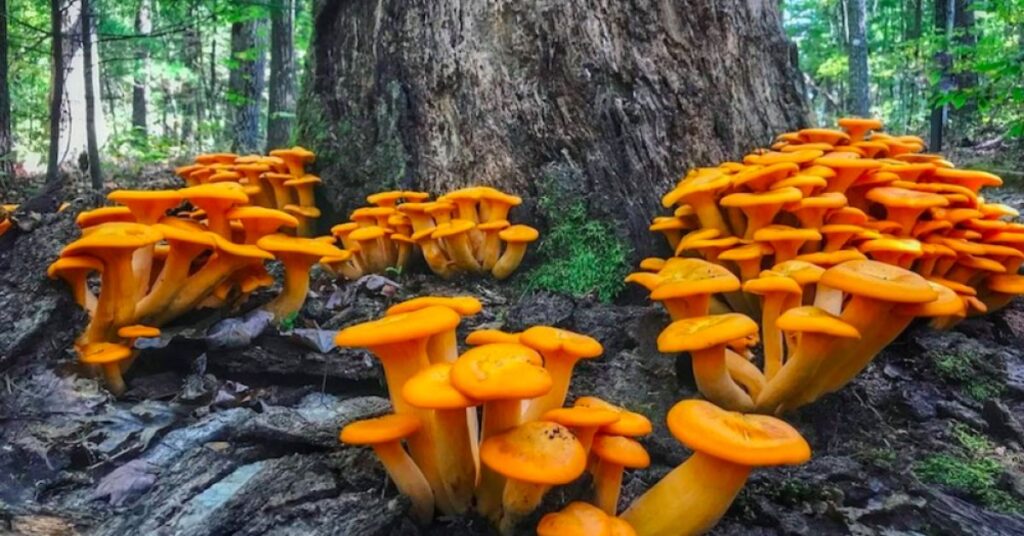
(315,421)
(278,356)
(1001,421)
(958,411)
(540,309)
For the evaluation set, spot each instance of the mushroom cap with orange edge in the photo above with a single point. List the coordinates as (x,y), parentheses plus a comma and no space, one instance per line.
(81,262)
(964,177)
(344,229)
(103,353)
(331,259)
(303,181)
(811,319)
(620,450)
(372,212)
(431,388)
(860,123)
(216,158)
(519,234)
(841,162)
(464,305)
(749,440)
(997,210)
(496,225)
(703,332)
(125,197)
(879,281)
(299,153)
(538,452)
(225,175)
(370,232)
(254,166)
(823,200)
(769,174)
(906,246)
(847,215)
(705,183)
(690,276)
(383,429)
(956,286)
(290,245)
(241,250)
(500,371)
(185,171)
(648,280)
(804,273)
(927,227)
(398,328)
(472,193)
(577,519)
(900,197)
(629,424)
(412,195)
(770,282)
(228,192)
(828,259)
(796,156)
(551,339)
(882,226)
(826,135)
(804,183)
(948,303)
(279,217)
(1006,283)
(437,207)
(489,336)
(582,416)
(654,264)
(778,196)
(138,331)
(667,223)
(114,235)
(872,149)
(981,263)
(493,194)
(683,211)
(103,215)
(746,252)
(455,227)
(818,146)
(784,232)
(385,197)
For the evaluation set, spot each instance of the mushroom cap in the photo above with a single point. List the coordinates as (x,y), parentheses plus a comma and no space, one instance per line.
(668,223)
(811,319)
(689,276)
(777,196)
(216,158)
(303,181)
(488,336)
(582,416)
(262,213)
(385,197)
(138,331)
(398,328)
(1006,283)
(705,182)
(796,155)
(784,232)
(826,135)
(343,229)
(966,176)
(454,227)
(240,250)
(103,353)
(620,450)
(431,388)
(770,282)
(114,235)
(69,264)
(981,263)
(840,162)
(900,197)
(437,207)
(629,424)
(298,153)
(956,286)
(495,225)
(879,281)
(654,264)
(702,332)
(907,246)
(810,182)
(472,193)
(500,371)
(412,208)
(847,216)
(384,429)
(226,192)
(305,212)
(128,196)
(292,245)
(225,175)
(577,519)
(177,233)
(859,123)
(823,200)
(464,305)
(370,232)
(750,440)
(363,213)
(949,303)
(185,171)
(550,339)
(536,452)
(519,233)
(492,194)
(998,210)
(804,273)
(771,173)
(102,215)
(746,252)
(828,259)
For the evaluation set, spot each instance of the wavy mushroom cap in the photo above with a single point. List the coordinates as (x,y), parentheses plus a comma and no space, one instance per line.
(906,246)
(279,244)
(746,252)
(536,452)
(689,276)
(620,451)
(500,371)
(103,353)
(823,135)
(859,123)
(393,329)
(703,332)
(811,319)
(879,281)
(582,416)
(948,303)
(304,180)
(489,336)
(629,424)
(751,440)
(700,183)
(519,234)
(265,214)
(73,264)
(550,339)
(370,232)
(578,519)
(903,198)
(385,429)
(785,232)
(297,153)
(138,331)
(464,305)
(770,282)
(101,215)
(804,273)
(496,225)
(431,388)
(453,228)
(827,259)
(114,235)
(779,196)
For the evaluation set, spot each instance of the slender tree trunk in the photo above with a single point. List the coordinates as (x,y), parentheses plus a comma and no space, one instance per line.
(6,140)
(95,172)
(246,85)
(281,106)
(944,64)
(143,25)
(190,93)
(859,101)
(56,90)
(965,116)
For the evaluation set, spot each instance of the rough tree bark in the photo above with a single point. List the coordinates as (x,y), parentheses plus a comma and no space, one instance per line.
(613,101)
(245,85)
(143,25)
(6,139)
(191,96)
(56,91)
(859,100)
(966,39)
(281,105)
(93,148)
(943,19)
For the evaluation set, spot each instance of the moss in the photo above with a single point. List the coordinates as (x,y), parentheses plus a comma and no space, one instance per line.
(976,379)
(970,467)
(579,255)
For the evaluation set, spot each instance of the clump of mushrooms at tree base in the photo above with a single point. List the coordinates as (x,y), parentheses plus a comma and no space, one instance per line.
(160,254)
(834,241)
(528,441)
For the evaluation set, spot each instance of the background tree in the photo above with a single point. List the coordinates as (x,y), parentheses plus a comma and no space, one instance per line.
(56,89)
(6,136)
(281,104)
(245,85)
(860,101)
(143,25)
(95,170)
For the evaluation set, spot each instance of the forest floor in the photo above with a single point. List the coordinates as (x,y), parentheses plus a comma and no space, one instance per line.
(230,425)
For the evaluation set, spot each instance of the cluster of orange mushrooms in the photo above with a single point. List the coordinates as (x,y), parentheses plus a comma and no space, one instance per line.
(5,217)
(835,240)
(163,253)
(462,232)
(278,180)
(529,441)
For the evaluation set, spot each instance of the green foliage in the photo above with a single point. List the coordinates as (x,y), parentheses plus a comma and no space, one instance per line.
(971,468)
(288,323)
(579,255)
(977,380)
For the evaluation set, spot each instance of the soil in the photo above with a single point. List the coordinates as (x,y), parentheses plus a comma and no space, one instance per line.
(230,429)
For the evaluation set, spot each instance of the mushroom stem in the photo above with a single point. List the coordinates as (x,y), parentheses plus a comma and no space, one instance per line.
(706,208)
(443,347)
(169,281)
(559,365)
(113,378)
(462,252)
(115,306)
(491,250)
(295,288)
(509,260)
(518,501)
(797,373)
(607,484)
(456,462)
(499,416)
(828,299)
(688,500)
(407,478)
(770,334)
(714,381)
(195,288)
(745,373)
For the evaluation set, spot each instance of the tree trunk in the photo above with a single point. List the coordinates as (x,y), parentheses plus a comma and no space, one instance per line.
(859,100)
(613,104)
(95,171)
(281,105)
(246,85)
(143,25)
(191,94)
(944,64)
(56,90)
(6,140)
(966,39)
